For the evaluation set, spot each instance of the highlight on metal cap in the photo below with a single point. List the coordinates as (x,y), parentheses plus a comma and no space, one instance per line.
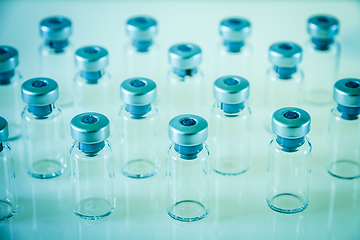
(185,56)
(141,28)
(347,92)
(138,91)
(323,26)
(90,127)
(91,58)
(9,58)
(39,91)
(4,130)
(235,29)
(231,89)
(188,130)
(55,28)
(285,54)
(291,122)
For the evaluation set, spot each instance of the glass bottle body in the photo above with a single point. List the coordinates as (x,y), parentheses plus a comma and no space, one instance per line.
(230,138)
(343,156)
(188,185)
(139,143)
(10,107)
(92,177)
(43,139)
(288,177)
(8,199)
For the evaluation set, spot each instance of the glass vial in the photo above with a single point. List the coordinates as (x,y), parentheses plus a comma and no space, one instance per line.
(56,55)
(321,55)
(92,166)
(283,80)
(139,129)
(230,133)
(188,169)
(10,80)
(42,128)
(343,157)
(234,54)
(185,77)
(289,161)
(8,200)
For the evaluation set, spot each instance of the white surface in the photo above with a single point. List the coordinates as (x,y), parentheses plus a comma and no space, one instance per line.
(239,209)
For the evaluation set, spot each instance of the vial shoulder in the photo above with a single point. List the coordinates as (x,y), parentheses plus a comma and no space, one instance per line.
(175,156)
(69,50)
(28,116)
(246,49)
(105,152)
(333,49)
(125,115)
(298,76)
(105,79)
(6,151)
(219,114)
(198,77)
(304,149)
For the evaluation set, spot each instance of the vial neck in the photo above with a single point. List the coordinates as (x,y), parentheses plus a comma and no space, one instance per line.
(185,72)
(233,47)
(142,46)
(348,113)
(285,72)
(188,152)
(231,108)
(91,148)
(138,111)
(92,77)
(59,46)
(290,145)
(5,77)
(322,44)
(40,111)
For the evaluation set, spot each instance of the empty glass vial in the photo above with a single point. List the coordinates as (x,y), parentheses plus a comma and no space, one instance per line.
(42,128)
(321,59)
(92,166)
(56,55)
(10,99)
(343,156)
(139,129)
(230,133)
(234,54)
(283,80)
(185,77)
(289,161)
(188,169)
(8,200)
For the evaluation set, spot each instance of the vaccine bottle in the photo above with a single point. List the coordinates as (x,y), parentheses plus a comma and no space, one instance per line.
(188,169)
(185,77)
(56,55)
(92,166)
(42,129)
(10,85)
(234,53)
(321,59)
(343,156)
(283,80)
(231,126)
(8,199)
(289,161)
(93,85)
(139,129)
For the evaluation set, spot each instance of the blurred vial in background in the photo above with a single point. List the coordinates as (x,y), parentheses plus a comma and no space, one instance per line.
(230,126)
(289,161)
(321,60)
(188,169)
(185,84)
(343,156)
(56,56)
(8,200)
(139,129)
(283,80)
(10,89)
(234,54)
(42,129)
(92,166)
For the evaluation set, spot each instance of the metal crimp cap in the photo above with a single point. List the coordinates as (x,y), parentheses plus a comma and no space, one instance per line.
(90,127)
(231,89)
(141,28)
(291,122)
(188,130)
(323,26)
(4,130)
(235,29)
(138,91)
(39,91)
(185,56)
(347,92)
(55,28)
(285,54)
(91,58)
(9,58)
